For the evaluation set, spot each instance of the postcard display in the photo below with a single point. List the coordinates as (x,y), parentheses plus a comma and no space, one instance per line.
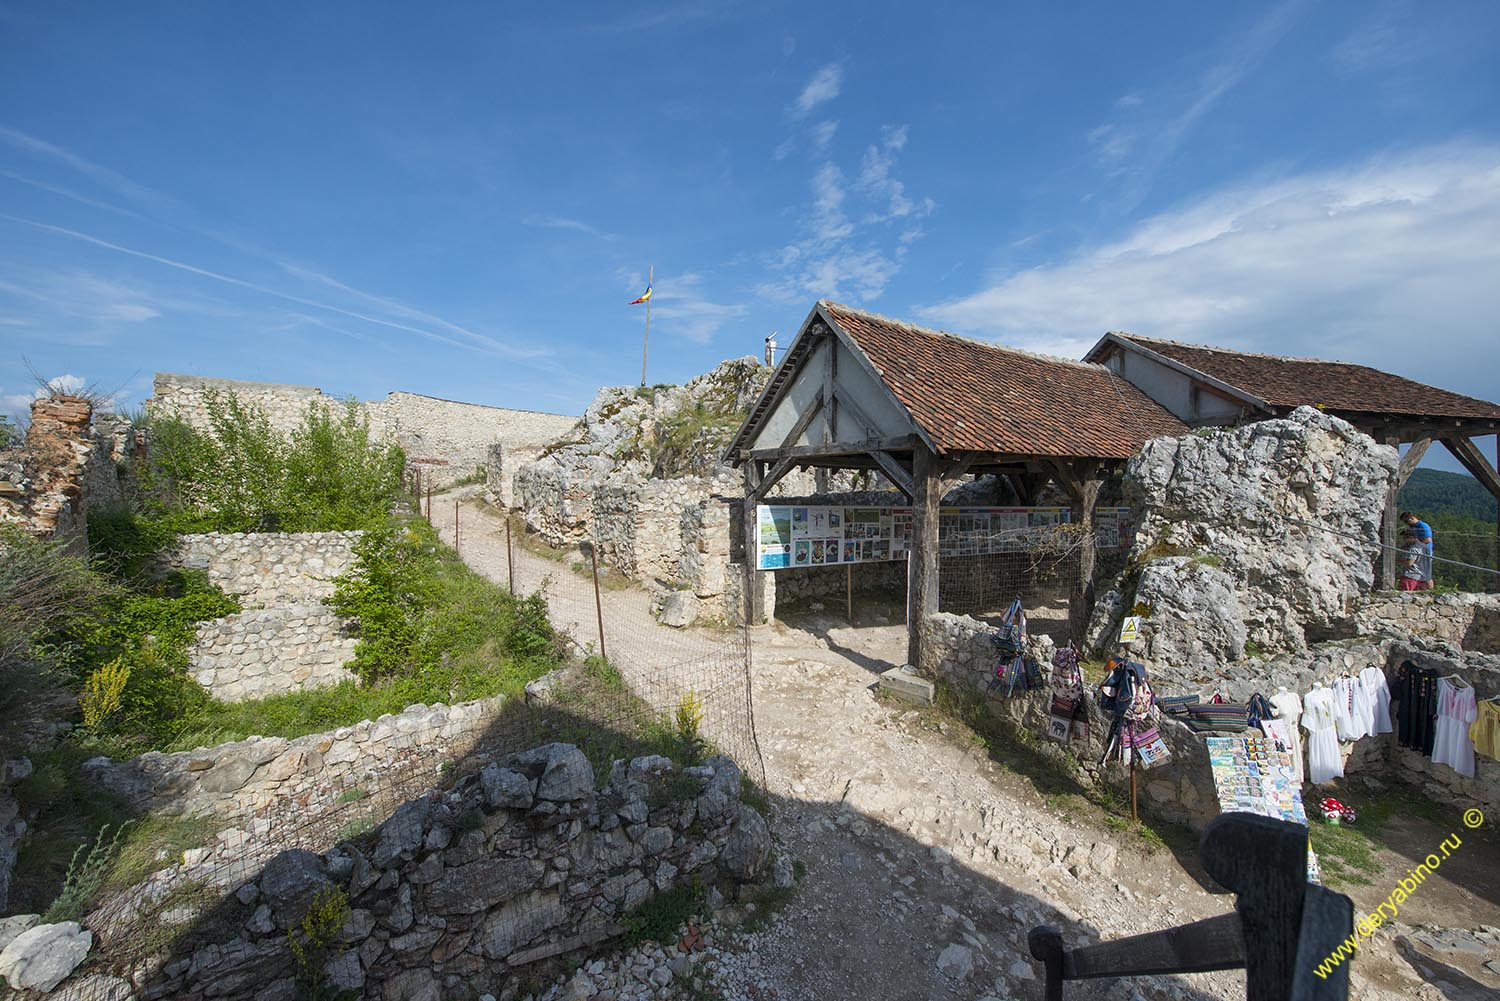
(1252,776)
(803,536)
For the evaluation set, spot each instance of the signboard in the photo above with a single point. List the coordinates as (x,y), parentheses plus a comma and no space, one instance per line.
(1130,629)
(810,536)
(1252,776)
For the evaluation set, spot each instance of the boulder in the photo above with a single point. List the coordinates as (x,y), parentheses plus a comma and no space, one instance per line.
(504,788)
(562,772)
(748,848)
(1279,514)
(680,609)
(289,882)
(956,961)
(44,956)
(14,925)
(401,835)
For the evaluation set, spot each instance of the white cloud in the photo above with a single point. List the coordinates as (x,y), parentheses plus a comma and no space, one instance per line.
(98,303)
(562,222)
(1138,145)
(111,179)
(857,231)
(687,313)
(1390,263)
(822,134)
(66,384)
(822,88)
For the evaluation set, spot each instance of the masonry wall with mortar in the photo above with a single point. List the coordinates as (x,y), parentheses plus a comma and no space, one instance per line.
(65,467)
(267,651)
(1472,621)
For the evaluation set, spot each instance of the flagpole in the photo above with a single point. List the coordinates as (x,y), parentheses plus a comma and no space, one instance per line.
(645,345)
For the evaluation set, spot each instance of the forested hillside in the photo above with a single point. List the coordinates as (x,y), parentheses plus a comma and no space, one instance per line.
(1462,516)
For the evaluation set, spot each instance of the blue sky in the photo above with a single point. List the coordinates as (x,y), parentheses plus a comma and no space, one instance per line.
(460,199)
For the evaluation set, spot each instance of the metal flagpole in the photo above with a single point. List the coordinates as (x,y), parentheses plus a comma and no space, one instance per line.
(645,345)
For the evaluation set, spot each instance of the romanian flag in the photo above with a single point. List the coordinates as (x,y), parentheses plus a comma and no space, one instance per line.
(645,297)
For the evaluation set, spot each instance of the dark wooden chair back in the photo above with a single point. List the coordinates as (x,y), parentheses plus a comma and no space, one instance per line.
(1282,929)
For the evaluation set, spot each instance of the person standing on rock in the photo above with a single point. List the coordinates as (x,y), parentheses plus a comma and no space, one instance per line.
(1422,533)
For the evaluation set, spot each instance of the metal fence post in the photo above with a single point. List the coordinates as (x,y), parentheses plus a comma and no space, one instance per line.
(510,557)
(598,605)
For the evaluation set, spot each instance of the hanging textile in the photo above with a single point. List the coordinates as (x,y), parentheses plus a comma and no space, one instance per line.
(1456,711)
(1380,699)
(1288,707)
(1485,731)
(1318,719)
(1415,697)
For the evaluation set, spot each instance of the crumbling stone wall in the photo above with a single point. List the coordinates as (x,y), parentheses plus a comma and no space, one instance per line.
(458,893)
(266,651)
(243,777)
(1472,621)
(447,439)
(269,568)
(65,467)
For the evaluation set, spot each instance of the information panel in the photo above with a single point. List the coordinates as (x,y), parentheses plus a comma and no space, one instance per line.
(808,536)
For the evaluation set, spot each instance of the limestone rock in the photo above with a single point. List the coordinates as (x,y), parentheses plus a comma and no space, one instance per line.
(1196,619)
(95,987)
(1275,508)
(289,883)
(680,609)
(956,961)
(748,847)
(14,925)
(520,921)
(43,956)
(562,772)
(402,833)
(506,788)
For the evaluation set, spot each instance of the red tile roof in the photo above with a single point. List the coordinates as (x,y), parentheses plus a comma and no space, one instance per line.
(1334,385)
(973,396)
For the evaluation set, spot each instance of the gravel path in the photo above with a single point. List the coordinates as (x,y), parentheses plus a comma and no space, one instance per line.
(926,862)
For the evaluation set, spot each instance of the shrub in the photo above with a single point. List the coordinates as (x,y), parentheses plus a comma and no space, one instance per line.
(386,592)
(84,877)
(101,693)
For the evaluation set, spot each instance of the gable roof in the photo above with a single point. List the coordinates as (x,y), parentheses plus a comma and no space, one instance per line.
(969,395)
(1280,382)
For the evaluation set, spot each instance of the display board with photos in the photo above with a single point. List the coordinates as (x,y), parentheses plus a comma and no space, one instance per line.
(1253,775)
(808,536)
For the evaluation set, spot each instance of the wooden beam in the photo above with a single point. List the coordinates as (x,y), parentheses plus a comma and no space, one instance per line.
(896,443)
(830,420)
(894,472)
(922,564)
(1466,452)
(1410,459)
(754,596)
(847,403)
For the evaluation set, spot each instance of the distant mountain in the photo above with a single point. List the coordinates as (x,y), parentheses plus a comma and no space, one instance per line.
(1432,491)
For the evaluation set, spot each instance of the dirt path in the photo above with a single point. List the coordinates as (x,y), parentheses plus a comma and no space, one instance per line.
(926,861)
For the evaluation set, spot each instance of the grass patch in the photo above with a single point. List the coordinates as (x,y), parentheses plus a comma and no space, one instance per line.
(754,797)
(768,903)
(673,789)
(659,919)
(153,843)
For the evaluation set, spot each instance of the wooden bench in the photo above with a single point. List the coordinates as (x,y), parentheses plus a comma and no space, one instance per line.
(1283,927)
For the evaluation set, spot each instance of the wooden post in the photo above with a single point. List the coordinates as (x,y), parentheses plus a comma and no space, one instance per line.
(1080,478)
(429,498)
(510,557)
(598,605)
(922,593)
(755,599)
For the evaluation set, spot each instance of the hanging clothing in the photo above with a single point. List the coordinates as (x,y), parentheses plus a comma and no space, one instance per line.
(1456,710)
(1380,699)
(1288,706)
(1318,719)
(1485,733)
(1348,708)
(1415,696)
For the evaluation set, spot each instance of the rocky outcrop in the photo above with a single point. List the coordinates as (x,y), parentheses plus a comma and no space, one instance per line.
(1255,538)
(457,892)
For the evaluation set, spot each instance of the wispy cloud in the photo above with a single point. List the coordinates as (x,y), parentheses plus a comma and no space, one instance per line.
(853,246)
(68,193)
(1349,264)
(562,222)
(470,340)
(688,313)
(824,86)
(1138,145)
(112,179)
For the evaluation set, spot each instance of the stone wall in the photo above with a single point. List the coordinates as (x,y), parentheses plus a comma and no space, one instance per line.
(248,777)
(459,893)
(269,568)
(1180,790)
(65,467)
(266,651)
(447,439)
(1470,620)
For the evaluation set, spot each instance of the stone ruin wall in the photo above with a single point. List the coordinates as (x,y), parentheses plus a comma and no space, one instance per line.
(308,775)
(285,639)
(1472,621)
(66,466)
(457,893)
(448,440)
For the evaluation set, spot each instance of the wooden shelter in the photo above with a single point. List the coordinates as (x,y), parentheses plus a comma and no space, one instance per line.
(924,408)
(1208,385)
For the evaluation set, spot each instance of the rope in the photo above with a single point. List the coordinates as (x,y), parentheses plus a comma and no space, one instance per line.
(1380,545)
